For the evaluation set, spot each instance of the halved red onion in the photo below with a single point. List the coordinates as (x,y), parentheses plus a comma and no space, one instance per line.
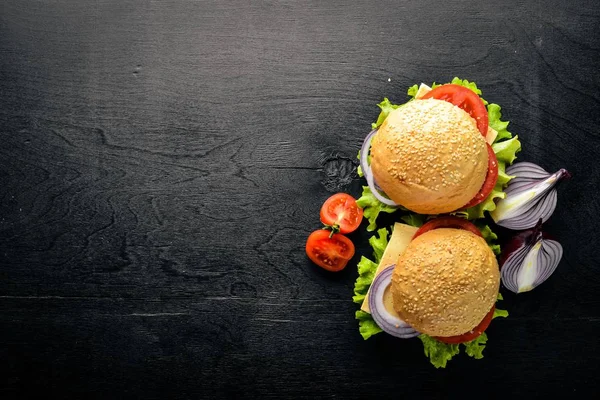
(530,195)
(390,323)
(529,259)
(366,169)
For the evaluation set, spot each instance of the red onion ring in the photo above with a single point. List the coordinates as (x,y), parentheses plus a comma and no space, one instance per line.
(366,169)
(383,318)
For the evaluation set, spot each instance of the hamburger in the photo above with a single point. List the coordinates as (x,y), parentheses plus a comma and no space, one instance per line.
(445,282)
(441,280)
(429,156)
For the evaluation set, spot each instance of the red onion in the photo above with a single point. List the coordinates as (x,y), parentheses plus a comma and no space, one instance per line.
(530,195)
(390,323)
(529,259)
(366,169)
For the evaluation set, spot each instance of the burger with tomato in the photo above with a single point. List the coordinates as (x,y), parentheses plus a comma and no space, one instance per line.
(430,155)
(445,284)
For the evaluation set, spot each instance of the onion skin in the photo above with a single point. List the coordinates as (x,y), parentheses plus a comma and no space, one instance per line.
(529,259)
(530,195)
(520,240)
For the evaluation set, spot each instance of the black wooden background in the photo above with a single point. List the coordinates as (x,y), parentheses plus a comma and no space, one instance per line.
(162,163)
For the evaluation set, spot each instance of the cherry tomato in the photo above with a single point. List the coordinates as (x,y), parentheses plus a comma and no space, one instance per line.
(341,213)
(329,250)
(490,180)
(464,98)
(473,333)
(447,221)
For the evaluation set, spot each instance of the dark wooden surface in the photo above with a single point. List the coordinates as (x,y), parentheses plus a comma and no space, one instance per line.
(162,162)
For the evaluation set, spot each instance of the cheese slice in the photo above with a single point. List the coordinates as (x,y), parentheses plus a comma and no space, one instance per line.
(401,237)
(491,135)
(423,90)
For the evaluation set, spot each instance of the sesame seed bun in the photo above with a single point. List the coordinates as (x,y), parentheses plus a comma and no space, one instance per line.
(445,282)
(429,156)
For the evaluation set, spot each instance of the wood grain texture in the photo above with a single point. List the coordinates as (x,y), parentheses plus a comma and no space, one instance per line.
(163,162)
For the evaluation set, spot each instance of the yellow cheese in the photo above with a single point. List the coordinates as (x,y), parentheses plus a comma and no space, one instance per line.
(401,237)
(491,135)
(423,90)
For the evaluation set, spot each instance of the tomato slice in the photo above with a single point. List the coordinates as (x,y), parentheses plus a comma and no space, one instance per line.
(464,98)
(490,179)
(331,253)
(341,213)
(447,221)
(473,333)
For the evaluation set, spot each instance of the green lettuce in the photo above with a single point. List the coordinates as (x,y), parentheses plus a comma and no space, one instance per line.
(379,242)
(413,219)
(438,353)
(386,108)
(366,273)
(490,237)
(498,125)
(506,150)
(366,325)
(475,347)
(412,91)
(372,207)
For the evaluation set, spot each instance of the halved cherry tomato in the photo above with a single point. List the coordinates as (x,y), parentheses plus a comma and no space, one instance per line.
(341,213)
(448,221)
(464,98)
(472,334)
(490,179)
(331,253)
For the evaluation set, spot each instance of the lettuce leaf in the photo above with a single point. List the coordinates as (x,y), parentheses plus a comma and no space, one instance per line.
(439,353)
(413,219)
(506,150)
(372,207)
(498,125)
(366,326)
(386,107)
(503,177)
(379,242)
(490,237)
(500,313)
(412,91)
(475,347)
(366,274)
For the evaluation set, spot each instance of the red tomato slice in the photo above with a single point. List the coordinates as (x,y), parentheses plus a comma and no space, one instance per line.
(448,221)
(331,253)
(473,333)
(341,212)
(490,179)
(464,98)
